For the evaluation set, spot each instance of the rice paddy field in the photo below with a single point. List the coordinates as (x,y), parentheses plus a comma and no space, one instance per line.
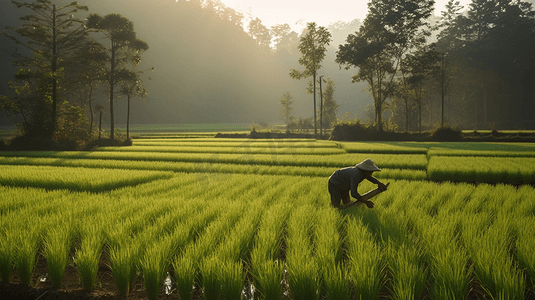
(182,217)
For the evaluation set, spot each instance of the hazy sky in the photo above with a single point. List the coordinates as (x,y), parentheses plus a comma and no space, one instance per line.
(322,12)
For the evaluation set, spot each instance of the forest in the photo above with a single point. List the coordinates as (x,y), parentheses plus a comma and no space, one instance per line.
(401,68)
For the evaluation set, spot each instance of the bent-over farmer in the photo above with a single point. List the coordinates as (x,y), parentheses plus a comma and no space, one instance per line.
(345,181)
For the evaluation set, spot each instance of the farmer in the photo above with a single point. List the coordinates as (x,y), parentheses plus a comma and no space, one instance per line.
(346,180)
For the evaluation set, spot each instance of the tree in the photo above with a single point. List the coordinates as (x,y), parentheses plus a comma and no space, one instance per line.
(260,33)
(313,45)
(284,38)
(286,111)
(87,71)
(131,86)
(330,107)
(391,29)
(52,35)
(123,47)
(420,66)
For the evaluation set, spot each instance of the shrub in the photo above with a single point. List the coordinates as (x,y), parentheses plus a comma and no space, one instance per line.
(447,134)
(356,131)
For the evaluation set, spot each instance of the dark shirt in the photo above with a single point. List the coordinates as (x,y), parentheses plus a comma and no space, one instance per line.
(348,179)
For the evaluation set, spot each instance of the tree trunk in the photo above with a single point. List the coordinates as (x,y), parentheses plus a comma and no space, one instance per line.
(100,125)
(54,75)
(112,83)
(128,119)
(90,108)
(315,119)
(321,109)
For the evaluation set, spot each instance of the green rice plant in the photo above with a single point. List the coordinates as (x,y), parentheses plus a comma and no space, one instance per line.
(154,264)
(184,272)
(210,269)
(87,257)
(303,269)
(408,276)
(494,267)
(450,273)
(7,256)
(266,269)
(447,260)
(123,259)
(336,283)
(57,247)
(365,260)
(268,277)
(524,246)
(231,279)
(27,245)
(303,277)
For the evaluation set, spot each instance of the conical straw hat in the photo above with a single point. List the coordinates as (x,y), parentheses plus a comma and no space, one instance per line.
(368,165)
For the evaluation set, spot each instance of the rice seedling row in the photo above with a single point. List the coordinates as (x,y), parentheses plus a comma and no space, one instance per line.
(383,148)
(479,153)
(234,150)
(512,170)
(189,167)
(205,143)
(409,161)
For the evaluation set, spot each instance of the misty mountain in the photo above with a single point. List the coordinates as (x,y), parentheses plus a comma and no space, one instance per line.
(207,68)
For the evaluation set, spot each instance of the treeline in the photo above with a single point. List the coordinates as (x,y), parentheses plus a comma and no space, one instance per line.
(64,59)
(478,73)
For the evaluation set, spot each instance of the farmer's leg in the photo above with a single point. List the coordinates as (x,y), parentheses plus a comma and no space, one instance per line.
(345,197)
(335,195)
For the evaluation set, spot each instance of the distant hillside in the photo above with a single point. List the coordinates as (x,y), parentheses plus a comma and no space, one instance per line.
(207,69)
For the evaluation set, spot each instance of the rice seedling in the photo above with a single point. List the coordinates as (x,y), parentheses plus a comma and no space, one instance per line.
(524,246)
(87,257)
(154,264)
(408,276)
(303,277)
(336,283)
(231,279)
(57,247)
(123,259)
(184,272)
(209,269)
(495,270)
(303,271)
(365,261)
(268,277)
(27,244)
(7,245)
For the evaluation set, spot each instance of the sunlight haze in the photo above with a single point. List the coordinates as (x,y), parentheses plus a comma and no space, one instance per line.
(298,12)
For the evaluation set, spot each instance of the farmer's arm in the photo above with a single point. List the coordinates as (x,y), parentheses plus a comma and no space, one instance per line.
(372,179)
(354,192)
